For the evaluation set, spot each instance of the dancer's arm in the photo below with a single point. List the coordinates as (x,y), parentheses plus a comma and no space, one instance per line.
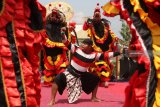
(71,46)
(87,24)
(107,55)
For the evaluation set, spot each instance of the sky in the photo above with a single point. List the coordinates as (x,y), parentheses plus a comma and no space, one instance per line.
(85,8)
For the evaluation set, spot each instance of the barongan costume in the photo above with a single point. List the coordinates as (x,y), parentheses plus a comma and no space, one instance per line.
(21,30)
(103,40)
(142,16)
(55,52)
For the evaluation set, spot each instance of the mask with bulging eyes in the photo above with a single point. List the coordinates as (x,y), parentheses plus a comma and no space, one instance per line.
(97,16)
(56,17)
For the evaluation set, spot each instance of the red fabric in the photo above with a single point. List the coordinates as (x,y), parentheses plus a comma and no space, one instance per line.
(49,66)
(85,26)
(7,13)
(52,70)
(48,73)
(106,56)
(15,101)
(74,39)
(81,63)
(104,79)
(153,13)
(5,55)
(136,91)
(27,42)
(97,9)
(116,3)
(66,44)
(72,24)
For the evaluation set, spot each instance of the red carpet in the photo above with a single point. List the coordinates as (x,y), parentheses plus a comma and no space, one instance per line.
(113,96)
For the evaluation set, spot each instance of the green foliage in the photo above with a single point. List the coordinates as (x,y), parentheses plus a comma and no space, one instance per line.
(114,67)
(125,32)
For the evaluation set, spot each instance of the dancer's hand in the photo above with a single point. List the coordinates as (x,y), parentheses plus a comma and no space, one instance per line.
(89,22)
(125,51)
(64,38)
(63,30)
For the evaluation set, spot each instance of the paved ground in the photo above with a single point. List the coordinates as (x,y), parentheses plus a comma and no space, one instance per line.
(113,96)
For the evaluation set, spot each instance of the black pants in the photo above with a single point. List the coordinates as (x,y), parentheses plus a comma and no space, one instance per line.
(89,81)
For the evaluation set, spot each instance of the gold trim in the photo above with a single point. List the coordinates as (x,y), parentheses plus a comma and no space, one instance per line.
(4,86)
(3,5)
(22,76)
(51,43)
(48,79)
(98,49)
(49,59)
(38,31)
(46,67)
(69,35)
(150,1)
(105,74)
(58,59)
(93,33)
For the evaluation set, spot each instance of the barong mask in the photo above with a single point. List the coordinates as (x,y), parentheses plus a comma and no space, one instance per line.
(56,16)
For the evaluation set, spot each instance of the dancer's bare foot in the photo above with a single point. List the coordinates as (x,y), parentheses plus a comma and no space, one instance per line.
(106,84)
(51,103)
(95,100)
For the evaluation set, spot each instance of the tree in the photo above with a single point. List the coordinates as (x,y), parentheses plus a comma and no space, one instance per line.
(125,33)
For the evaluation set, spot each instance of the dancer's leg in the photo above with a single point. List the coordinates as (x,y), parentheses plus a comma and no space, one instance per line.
(53,94)
(94,93)
(105,84)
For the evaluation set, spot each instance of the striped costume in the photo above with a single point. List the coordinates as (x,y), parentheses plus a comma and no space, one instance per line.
(76,78)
